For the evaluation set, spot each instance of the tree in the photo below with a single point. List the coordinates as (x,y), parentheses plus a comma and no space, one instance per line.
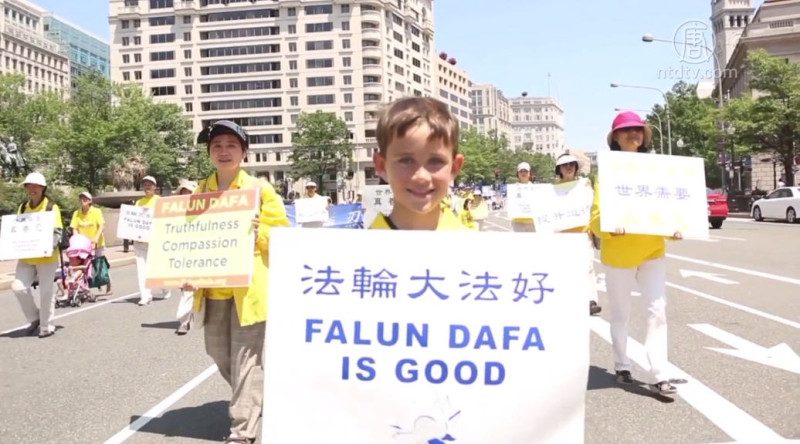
(769,122)
(320,145)
(487,159)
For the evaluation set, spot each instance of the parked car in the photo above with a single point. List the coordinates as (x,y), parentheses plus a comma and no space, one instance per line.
(783,203)
(717,207)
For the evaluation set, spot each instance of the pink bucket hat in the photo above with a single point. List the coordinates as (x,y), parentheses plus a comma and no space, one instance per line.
(628,119)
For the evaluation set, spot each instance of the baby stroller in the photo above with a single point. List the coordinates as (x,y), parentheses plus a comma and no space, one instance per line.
(77,274)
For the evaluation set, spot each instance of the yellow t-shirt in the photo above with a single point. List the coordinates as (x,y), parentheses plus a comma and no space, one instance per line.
(149,202)
(88,223)
(57,224)
(447,221)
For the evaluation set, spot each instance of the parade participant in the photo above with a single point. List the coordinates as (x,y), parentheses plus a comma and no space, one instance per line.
(43,268)
(524,175)
(634,258)
(311,193)
(567,171)
(89,221)
(140,248)
(418,156)
(479,209)
(186,297)
(235,318)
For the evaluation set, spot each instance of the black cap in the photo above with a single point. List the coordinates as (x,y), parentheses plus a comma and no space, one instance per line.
(223,127)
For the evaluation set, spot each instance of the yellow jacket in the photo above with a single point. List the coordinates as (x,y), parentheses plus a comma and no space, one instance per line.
(88,223)
(447,221)
(627,250)
(251,302)
(58,224)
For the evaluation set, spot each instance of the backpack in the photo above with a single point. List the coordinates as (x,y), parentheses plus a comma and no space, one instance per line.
(65,233)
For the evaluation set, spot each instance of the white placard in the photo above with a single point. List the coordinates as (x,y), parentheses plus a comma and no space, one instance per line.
(377,199)
(386,348)
(27,235)
(314,209)
(135,223)
(652,194)
(561,206)
(520,200)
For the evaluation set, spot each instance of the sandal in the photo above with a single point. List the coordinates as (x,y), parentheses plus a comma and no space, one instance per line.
(663,388)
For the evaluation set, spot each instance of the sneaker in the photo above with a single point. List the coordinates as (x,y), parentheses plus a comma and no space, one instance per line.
(183,328)
(663,388)
(594,308)
(624,377)
(143,302)
(46,333)
(33,329)
(237,440)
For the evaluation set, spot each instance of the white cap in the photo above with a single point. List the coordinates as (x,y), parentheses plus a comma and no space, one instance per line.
(86,194)
(189,185)
(35,179)
(565,159)
(523,166)
(311,184)
(150,178)
(477,193)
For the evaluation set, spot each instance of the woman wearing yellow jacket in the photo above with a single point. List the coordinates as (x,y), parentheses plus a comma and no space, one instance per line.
(235,318)
(630,259)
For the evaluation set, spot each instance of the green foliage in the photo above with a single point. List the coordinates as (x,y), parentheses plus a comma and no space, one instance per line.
(321,146)
(13,194)
(771,121)
(488,159)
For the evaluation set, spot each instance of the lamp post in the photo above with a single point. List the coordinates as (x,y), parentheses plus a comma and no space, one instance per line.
(660,127)
(666,107)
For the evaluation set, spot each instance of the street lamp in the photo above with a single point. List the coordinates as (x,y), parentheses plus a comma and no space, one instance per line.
(666,107)
(660,126)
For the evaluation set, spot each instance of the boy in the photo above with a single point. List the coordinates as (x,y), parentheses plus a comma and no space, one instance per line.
(418,156)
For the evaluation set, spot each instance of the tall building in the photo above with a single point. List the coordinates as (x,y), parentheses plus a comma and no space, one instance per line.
(491,111)
(729,19)
(537,125)
(86,51)
(26,49)
(261,63)
(453,87)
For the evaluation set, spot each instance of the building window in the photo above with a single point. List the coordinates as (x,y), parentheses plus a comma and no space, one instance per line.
(137,23)
(347,80)
(162,73)
(348,98)
(125,24)
(294,101)
(187,71)
(162,38)
(319,9)
(162,91)
(187,19)
(187,54)
(345,9)
(126,76)
(345,26)
(160,4)
(319,27)
(162,21)
(346,62)
(293,83)
(293,118)
(319,81)
(346,44)
(240,50)
(239,33)
(126,41)
(319,63)
(187,36)
(398,36)
(291,12)
(278,153)
(292,46)
(293,65)
(137,75)
(323,99)
(187,89)
(188,107)
(137,40)
(319,45)
(291,29)
(137,57)
(126,58)
(398,53)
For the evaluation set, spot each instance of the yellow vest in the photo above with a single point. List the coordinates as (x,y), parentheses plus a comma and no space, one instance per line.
(251,302)
(447,221)
(57,224)
(149,202)
(88,223)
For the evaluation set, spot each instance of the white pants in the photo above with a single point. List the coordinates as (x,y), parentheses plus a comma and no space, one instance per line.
(23,278)
(145,294)
(185,305)
(650,276)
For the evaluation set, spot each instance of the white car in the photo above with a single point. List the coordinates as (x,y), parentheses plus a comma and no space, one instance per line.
(783,203)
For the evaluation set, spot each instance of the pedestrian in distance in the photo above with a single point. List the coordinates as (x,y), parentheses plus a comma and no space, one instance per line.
(186,298)
(634,259)
(235,318)
(525,176)
(43,268)
(140,248)
(418,157)
(88,220)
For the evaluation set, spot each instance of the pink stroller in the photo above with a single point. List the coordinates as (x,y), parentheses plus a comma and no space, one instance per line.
(78,274)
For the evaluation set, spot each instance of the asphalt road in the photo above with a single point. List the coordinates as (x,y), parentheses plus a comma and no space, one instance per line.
(116,372)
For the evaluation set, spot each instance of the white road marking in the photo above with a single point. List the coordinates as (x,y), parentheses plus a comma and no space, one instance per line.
(739,239)
(159,408)
(732,420)
(780,356)
(80,310)
(762,274)
(713,277)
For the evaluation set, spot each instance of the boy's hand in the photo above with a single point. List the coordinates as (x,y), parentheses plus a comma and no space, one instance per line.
(188,287)
(677,235)
(256,222)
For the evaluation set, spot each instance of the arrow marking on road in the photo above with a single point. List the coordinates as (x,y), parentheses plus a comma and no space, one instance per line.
(713,277)
(780,356)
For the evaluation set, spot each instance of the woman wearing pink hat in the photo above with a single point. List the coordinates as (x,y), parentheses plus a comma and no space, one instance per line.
(632,259)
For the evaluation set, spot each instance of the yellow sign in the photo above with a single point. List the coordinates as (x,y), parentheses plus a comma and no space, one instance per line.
(206,240)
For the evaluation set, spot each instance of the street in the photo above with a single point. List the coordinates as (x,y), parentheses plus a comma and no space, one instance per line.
(116,372)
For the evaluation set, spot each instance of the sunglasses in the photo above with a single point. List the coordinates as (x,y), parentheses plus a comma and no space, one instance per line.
(631,129)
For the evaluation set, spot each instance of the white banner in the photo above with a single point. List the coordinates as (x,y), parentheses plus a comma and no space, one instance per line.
(135,223)
(27,235)
(520,201)
(384,348)
(377,199)
(562,206)
(652,194)
(313,209)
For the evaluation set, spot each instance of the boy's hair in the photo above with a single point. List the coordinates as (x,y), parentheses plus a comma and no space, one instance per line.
(402,114)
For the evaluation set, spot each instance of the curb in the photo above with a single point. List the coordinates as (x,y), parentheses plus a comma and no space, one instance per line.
(5,284)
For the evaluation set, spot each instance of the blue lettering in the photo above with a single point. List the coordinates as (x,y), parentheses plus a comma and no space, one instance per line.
(473,372)
(508,337)
(311,328)
(358,339)
(413,333)
(501,373)
(336,333)
(367,372)
(533,339)
(485,338)
(345,368)
(411,374)
(382,338)
(442,372)
(459,336)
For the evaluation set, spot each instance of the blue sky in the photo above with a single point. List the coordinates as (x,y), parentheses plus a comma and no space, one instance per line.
(514,44)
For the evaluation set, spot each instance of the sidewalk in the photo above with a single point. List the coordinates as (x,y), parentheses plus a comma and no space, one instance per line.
(115,257)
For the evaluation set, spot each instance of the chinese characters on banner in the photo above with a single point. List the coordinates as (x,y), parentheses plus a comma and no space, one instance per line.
(135,223)
(562,206)
(378,342)
(28,235)
(377,199)
(652,194)
(206,240)
(313,209)
(519,201)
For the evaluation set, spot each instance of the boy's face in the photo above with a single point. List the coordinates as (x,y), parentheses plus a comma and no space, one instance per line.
(418,170)
(226,152)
